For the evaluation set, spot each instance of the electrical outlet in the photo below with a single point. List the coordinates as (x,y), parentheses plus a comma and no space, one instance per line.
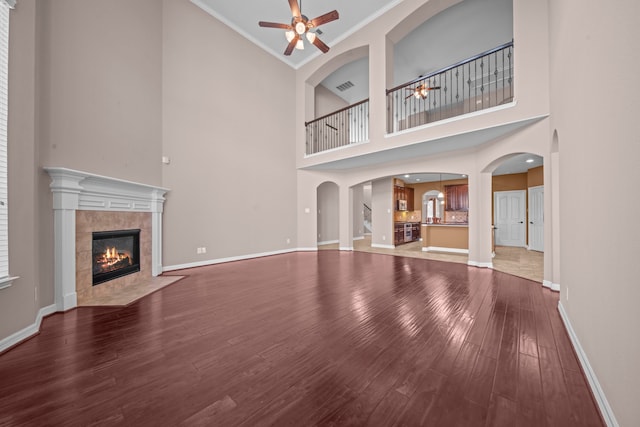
(204,250)
(288,240)
(384,238)
(198,250)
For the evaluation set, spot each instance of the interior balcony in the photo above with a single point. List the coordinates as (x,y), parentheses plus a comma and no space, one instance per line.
(460,105)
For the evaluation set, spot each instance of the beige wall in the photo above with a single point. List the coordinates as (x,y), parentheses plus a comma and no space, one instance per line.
(100,89)
(327,102)
(328,226)
(232,173)
(20,303)
(445,236)
(599,153)
(535,176)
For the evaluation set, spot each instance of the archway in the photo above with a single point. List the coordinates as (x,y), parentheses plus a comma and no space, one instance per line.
(517,214)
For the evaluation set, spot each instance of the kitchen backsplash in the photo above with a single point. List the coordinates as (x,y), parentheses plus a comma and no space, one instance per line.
(456,217)
(408,216)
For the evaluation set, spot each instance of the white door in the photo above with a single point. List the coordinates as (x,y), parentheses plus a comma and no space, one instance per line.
(536,218)
(510,215)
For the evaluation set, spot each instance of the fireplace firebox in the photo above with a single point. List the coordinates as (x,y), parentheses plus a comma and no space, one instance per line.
(115,254)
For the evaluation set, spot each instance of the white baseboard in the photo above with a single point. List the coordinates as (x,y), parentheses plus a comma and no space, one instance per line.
(346,248)
(329,242)
(27,332)
(596,389)
(448,250)
(359,238)
(480,264)
(312,249)
(380,246)
(553,286)
(230,259)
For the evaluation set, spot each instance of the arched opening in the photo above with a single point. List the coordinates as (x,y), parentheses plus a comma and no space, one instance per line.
(517,214)
(432,207)
(410,215)
(327,218)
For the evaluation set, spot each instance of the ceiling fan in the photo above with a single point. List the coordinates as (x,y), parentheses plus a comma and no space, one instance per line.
(421,91)
(300,25)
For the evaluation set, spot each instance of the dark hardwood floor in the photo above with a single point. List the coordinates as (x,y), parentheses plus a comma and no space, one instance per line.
(327,338)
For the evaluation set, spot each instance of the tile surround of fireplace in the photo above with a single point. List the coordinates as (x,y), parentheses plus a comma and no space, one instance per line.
(88,222)
(84,203)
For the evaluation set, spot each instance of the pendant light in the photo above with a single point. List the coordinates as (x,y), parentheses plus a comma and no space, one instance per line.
(440,194)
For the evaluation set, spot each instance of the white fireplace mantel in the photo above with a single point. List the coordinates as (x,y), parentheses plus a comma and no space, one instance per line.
(76,190)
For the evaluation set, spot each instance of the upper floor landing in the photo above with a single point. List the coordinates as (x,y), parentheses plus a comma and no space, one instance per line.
(470,87)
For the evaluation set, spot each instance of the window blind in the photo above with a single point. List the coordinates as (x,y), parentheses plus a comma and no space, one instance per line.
(5,5)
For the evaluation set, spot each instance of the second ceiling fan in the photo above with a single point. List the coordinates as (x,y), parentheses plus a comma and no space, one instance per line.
(301,25)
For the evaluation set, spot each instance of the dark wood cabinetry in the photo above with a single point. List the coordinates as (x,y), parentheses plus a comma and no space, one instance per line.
(399,232)
(403,193)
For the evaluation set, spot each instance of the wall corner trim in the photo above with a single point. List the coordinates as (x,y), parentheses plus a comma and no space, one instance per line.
(594,384)
(26,333)
(553,286)
(480,264)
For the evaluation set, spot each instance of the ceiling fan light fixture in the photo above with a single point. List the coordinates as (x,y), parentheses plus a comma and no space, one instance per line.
(311,37)
(301,28)
(300,44)
(289,35)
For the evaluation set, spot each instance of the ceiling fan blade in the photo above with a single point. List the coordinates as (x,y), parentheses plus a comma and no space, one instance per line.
(295,9)
(433,88)
(291,45)
(320,45)
(275,25)
(323,19)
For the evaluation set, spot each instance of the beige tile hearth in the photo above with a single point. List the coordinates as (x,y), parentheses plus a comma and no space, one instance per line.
(125,295)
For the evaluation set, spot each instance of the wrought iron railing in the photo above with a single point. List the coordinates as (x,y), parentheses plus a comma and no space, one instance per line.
(480,82)
(338,129)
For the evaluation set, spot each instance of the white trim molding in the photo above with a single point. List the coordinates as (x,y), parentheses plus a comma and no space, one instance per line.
(380,246)
(448,250)
(480,264)
(328,242)
(346,248)
(553,286)
(76,190)
(29,331)
(233,258)
(594,384)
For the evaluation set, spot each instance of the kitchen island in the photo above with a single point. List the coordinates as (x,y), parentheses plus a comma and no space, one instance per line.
(445,237)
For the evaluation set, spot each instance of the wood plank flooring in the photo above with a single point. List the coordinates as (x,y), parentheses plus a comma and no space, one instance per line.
(329,338)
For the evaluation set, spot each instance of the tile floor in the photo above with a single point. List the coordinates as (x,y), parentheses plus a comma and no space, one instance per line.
(517,261)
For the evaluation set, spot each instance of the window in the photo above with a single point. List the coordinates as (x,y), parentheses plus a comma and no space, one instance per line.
(5,6)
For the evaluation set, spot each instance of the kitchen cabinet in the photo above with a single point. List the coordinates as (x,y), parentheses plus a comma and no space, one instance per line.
(398,233)
(405,232)
(403,193)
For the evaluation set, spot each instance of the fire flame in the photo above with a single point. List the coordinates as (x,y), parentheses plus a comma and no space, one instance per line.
(111,256)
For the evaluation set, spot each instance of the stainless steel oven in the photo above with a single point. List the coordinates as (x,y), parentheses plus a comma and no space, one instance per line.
(408,232)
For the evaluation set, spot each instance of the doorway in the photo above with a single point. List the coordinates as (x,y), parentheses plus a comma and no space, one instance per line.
(509,218)
(536,218)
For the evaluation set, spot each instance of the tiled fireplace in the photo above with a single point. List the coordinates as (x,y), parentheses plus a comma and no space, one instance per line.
(87,205)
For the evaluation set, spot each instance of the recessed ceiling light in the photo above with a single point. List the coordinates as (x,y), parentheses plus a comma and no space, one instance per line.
(407,176)
(529,160)
(417,179)
(464,176)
